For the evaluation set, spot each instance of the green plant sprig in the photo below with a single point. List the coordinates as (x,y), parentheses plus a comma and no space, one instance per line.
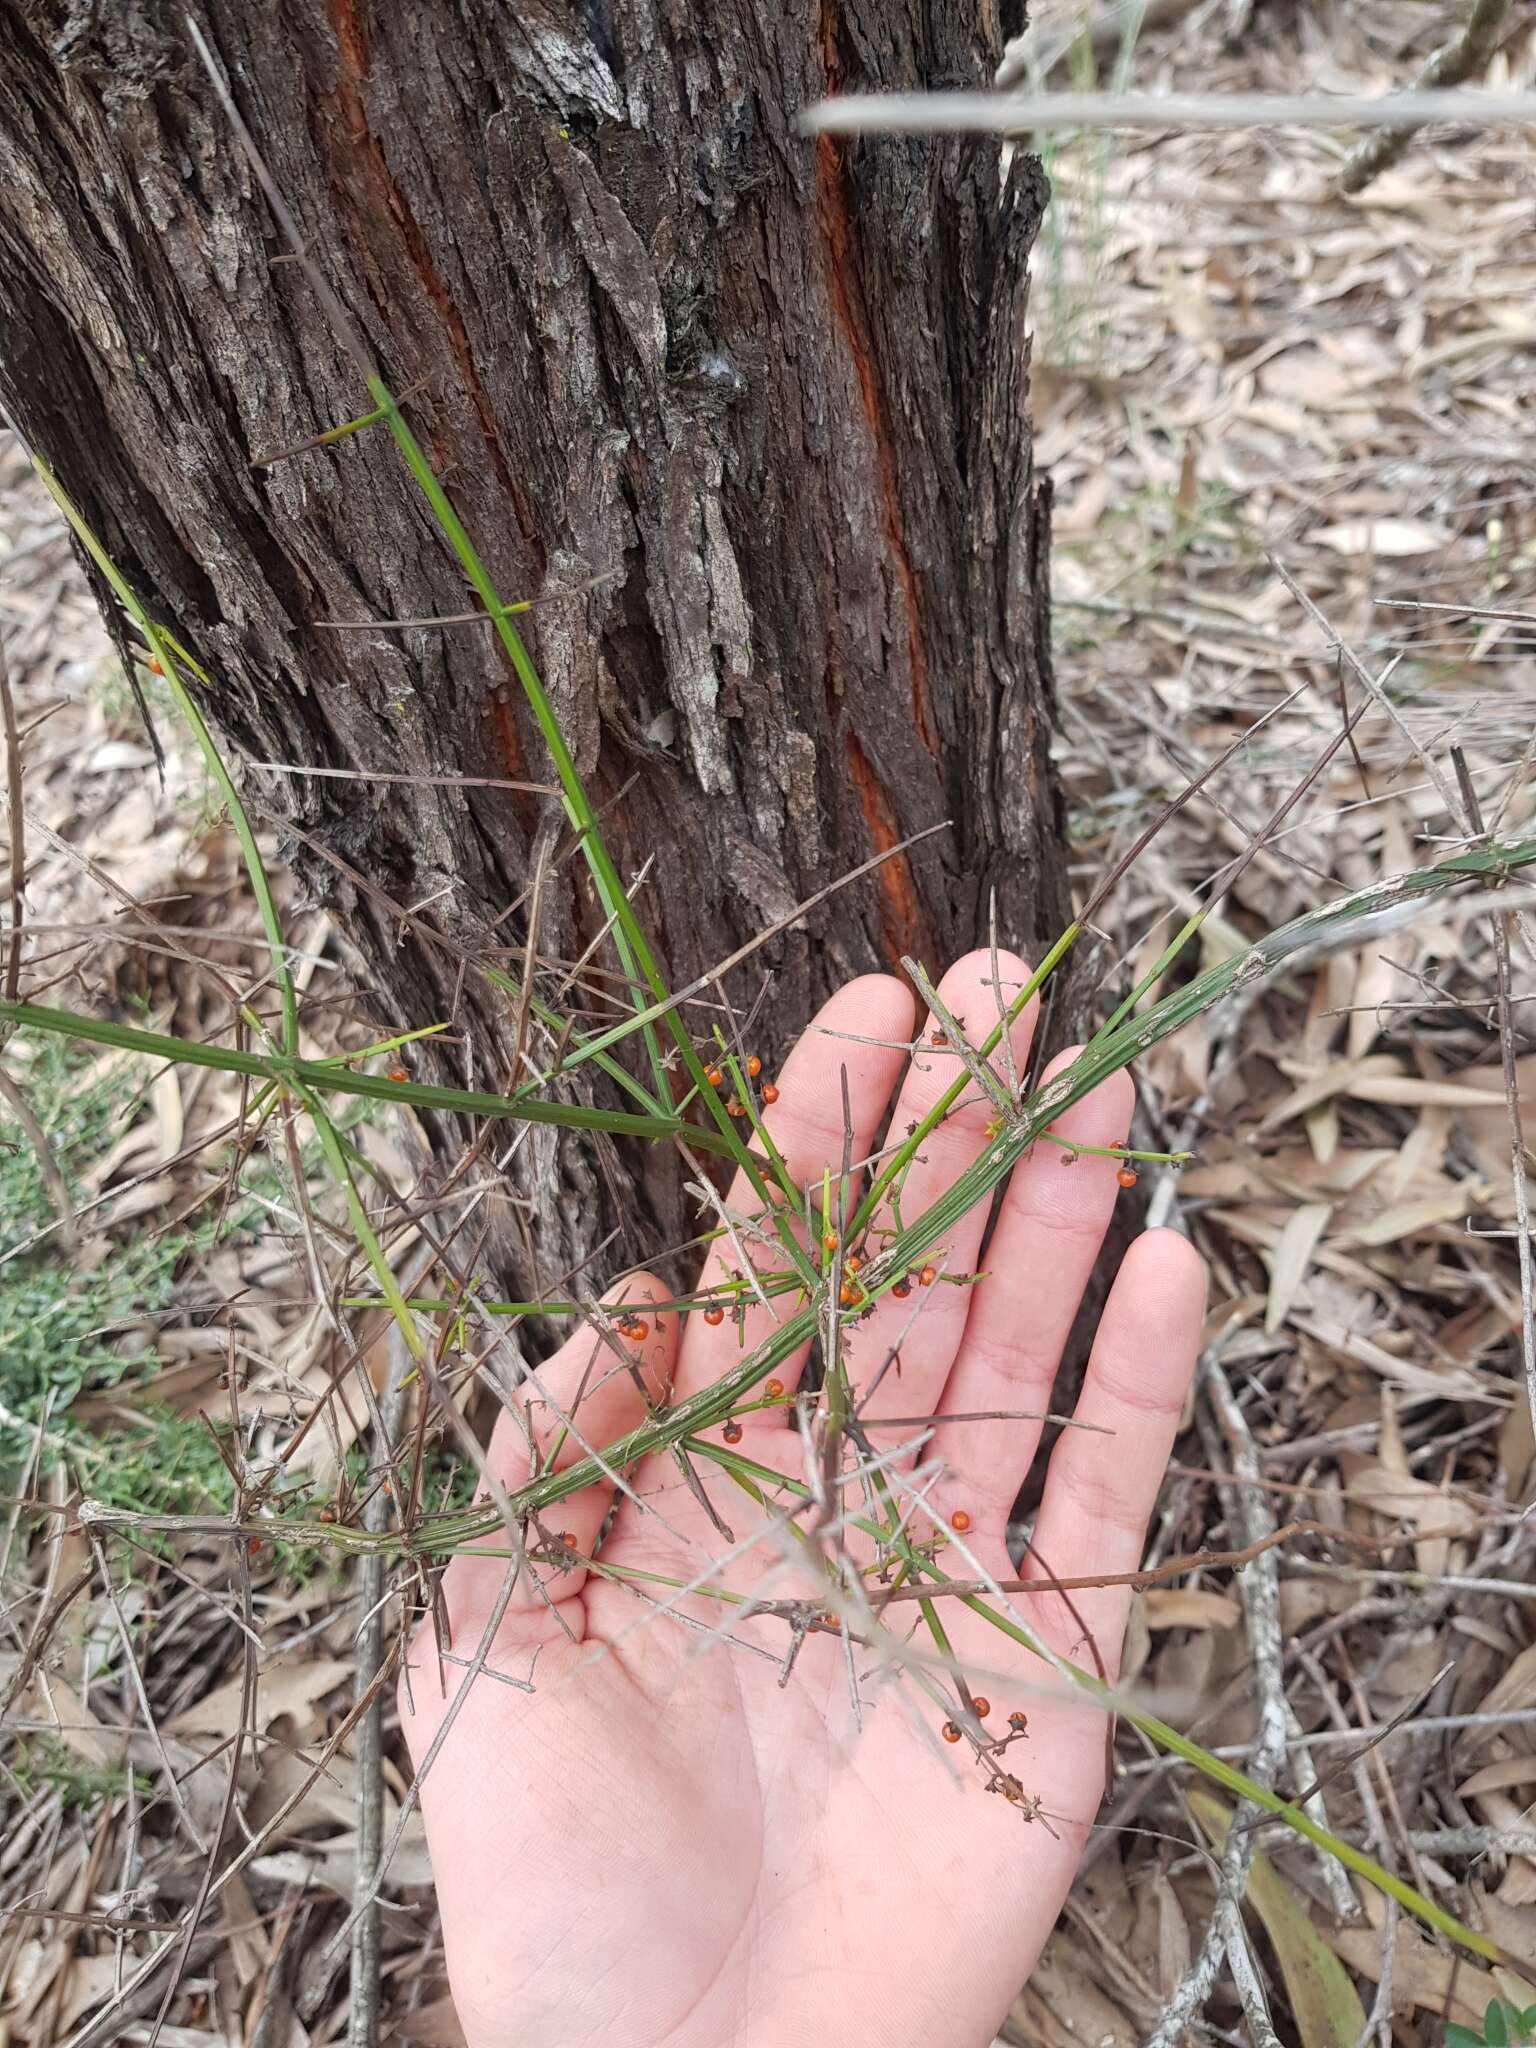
(712,1404)
(1505,2025)
(1122,1152)
(776,1213)
(1112,1049)
(758,1479)
(497,978)
(635,954)
(326,1078)
(162,647)
(681,1424)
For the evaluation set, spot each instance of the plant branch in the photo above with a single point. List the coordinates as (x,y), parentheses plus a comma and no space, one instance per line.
(1460,59)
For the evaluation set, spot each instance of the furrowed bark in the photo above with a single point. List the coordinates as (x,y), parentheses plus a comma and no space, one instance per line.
(778,387)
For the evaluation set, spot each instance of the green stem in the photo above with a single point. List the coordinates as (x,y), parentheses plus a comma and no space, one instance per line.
(317,1074)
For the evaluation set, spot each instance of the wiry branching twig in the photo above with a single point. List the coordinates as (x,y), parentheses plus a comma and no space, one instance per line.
(1373,684)
(1460,58)
(136,1681)
(16,825)
(1247,1513)
(1511,1073)
(1250,1988)
(363,1985)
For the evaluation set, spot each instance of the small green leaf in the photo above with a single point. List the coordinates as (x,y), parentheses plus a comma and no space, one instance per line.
(1495,2027)
(1458,2036)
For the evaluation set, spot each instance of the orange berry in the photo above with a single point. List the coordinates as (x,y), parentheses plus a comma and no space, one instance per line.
(399,1074)
(638,1328)
(939,1037)
(854,1261)
(960,1520)
(981,1706)
(567,1539)
(851,1296)
(770,1093)
(950,1732)
(732,1432)
(1126,1176)
(831,1241)
(1018,1721)
(774,1390)
(253,1548)
(714,1315)
(736,1107)
(327,1513)
(829,1621)
(754,1065)
(153,665)
(927,1276)
(714,1077)
(902,1288)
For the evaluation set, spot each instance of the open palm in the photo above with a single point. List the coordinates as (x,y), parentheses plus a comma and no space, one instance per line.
(666,1840)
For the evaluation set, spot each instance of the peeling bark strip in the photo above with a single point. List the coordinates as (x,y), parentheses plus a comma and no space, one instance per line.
(781,386)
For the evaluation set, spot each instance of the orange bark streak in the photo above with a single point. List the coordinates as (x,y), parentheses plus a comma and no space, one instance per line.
(371,163)
(902,917)
(851,310)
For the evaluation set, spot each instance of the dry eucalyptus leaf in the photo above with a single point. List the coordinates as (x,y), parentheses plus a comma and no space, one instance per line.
(1291,1258)
(289,1688)
(1390,537)
(1188,1607)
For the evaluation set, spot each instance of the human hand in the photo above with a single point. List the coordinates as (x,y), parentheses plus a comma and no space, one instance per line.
(662,1842)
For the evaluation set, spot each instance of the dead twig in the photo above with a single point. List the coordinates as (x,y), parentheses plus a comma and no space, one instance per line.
(18,831)
(1511,1074)
(1460,59)
(363,1988)
(1247,1511)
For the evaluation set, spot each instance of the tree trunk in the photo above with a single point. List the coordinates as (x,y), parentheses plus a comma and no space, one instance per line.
(773,393)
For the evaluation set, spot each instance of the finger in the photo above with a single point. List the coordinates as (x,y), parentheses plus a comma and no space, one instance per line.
(925,1343)
(1100,1489)
(592,1391)
(1048,1235)
(806,1124)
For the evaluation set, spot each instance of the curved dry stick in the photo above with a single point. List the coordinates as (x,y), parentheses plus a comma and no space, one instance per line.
(1469,53)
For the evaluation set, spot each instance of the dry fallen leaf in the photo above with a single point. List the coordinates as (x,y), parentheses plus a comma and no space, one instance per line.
(434,2025)
(1404,1498)
(1065,2004)
(1189,1607)
(1291,1258)
(290,1687)
(1422,1974)
(1392,537)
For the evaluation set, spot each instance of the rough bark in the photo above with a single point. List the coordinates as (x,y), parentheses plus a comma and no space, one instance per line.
(779,387)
